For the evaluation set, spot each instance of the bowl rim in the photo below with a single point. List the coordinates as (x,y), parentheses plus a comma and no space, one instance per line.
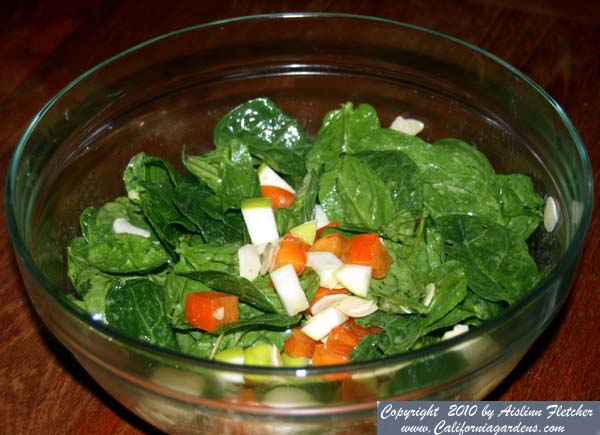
(571,252)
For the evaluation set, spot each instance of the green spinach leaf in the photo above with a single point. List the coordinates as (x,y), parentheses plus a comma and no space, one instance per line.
(245,290)
(158,206)
(197,256)
(385,139)
(264,321)
(240,180)
(521,205)
(206,167)
(398,335)
(450,289)
(497,264)
(353,193)
(366,349)
(269,133)
(137,308)
(457,179)
(143,169)
(309,281)
(400,175)
(120,252)
(341,128)
(203,208)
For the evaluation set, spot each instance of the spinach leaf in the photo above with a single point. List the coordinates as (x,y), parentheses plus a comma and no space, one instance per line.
(150,182)
(245,290)
(385,139)
(127,253)
(450,290)
(309,281)
(399,333)
(285,220)
(200,344)
(77,261)
(497,264)
(203,208)
(456,179)
(521,205)
(400,292)
(197,256)
(156,201)
(422,252)
(481,308)
(428,371)
(206,167)
(264,321)
(204,344)
(400,175)
(239,178)
(457,315)
(176,289)
(91,285)
(346,230)
(252,337)
(400,229)
(303,207)
(340,129)
(123,252)
(351,192)
(366,349)
(137,308)
(270,134)
(401,289)
(142,169)
(454,176)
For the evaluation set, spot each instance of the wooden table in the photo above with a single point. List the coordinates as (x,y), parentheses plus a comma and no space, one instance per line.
(44,46)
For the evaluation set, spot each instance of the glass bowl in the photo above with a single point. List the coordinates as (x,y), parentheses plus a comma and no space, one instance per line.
(171,90)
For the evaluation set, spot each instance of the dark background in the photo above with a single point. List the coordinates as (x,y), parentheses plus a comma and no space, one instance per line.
(44,45)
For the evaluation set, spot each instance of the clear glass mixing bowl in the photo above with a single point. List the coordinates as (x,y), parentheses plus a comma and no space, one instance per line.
(171,91)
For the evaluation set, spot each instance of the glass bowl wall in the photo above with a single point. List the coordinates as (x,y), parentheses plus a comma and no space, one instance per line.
(172,90)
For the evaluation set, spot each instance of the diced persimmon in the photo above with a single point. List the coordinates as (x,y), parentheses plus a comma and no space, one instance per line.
(211,309)
(341,341)
(334,243)
(324,357)
(352,390)
(246,396)
(291,251)
(298,344)
(289,237)
(280,198)
(367,249)
(360,331)
(321,230)
(324,291)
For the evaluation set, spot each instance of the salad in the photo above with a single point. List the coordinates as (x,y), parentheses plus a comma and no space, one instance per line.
(275,248)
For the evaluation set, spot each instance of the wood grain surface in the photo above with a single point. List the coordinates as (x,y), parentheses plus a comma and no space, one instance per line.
(44,45)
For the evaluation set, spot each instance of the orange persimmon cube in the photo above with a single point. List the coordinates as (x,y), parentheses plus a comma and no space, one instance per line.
(367,249)
(291,250)
(341,341)
(352,390)
(334,243)
(280,198)
(325,357)
(298,344)
(360,331)
(211,309)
